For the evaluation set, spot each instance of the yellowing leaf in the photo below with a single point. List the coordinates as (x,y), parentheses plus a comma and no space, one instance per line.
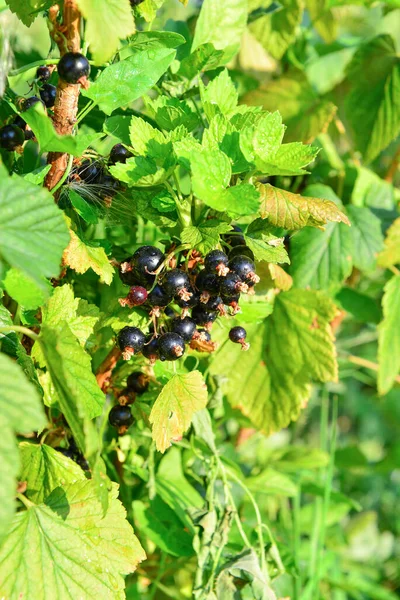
(292,211)
(281,279)
(390,256)
(81,258)
(172,412)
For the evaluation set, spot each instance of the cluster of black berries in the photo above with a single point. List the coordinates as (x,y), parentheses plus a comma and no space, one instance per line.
(120,416)
(72,68)
(73,453)
(201,295)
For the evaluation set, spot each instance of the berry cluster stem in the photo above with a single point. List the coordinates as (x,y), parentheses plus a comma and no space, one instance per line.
(68,39)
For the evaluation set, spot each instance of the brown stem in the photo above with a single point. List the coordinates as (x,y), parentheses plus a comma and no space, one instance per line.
(106,368)
(68,39)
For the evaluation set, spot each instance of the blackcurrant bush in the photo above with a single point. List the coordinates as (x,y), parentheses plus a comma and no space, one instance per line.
(48,94)
(234,237)
(73,66)
(120,416)
(68,452)
(216,261)
(245,268)
(150,348)
(119,154)
(158,297)
(131,341)
(11,137)
(171,346)
(242,251)
(138,382)
(238,335)
(29,102)
(231,285)
(89,171)
(202,316)
(184,327)
(176,283)
(43,73)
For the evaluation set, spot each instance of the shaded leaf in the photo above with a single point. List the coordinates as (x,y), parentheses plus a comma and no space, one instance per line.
(389,336)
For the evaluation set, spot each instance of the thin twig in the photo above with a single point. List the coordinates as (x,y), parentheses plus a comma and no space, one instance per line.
(106,368)
(368,364)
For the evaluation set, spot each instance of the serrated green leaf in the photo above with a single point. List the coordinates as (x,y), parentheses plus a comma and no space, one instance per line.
(276,31)
(272,482)
(148,9)
(222,23)
(292,211)
(367,237)
(390,256)
(205,236)
(44,469)
(118,126)
(223,135)
(289,349)
(262,136)
(38,175)
(85,209)
(123,82)
(323,19)
(107,22)
(373,105)
(172,412)
(82,257)
(220,96)
(389,336)
(28,10)
(211,173)
(204,58)
(170,113)
(87,551)
(25,290)
(265,245)
(21,411)
(290,159)
(372,191)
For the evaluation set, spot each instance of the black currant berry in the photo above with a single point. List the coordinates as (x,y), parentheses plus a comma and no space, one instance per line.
(158,297)
(119,154)
(231,285)
(241,251)
(176,283)
(29,102)
(108,185)
(238,335)
(73,66)
(43,73)
(120,416)
(150,348)
(208,284)
(216,261)
(169,312)
(232,301)
(29,135)
(234,237)
(216,303)
(131,341)
(82,462)
(202,316)
(192,301)
(126,275)
(19,122)
(204,335)
(245,268)
(146,260)
(89,172)
(137,295)
(138,382)
(11,137)
(68,452)
(171,346)
(184,327)
(48,94)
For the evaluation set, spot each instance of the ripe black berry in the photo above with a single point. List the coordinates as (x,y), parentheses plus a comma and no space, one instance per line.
(48,94)
(147,259)
(216,303)
(176,283)
(150,348)
(126,275)
(29,102)
(158,297)
(11,137)
(19,122)
(119,154)
(171,346)
(73,66)
(193,300)
(89,172)
(138,382)
(202,316)
(231,285)
(216,261)
(68,452)
(184,327)
(120,416)
(108,186)
(234,237)
(29,135)
(208,283)
(131,341)
(238,335)
(43,73)
(241,251)
(245,268)
(204,335)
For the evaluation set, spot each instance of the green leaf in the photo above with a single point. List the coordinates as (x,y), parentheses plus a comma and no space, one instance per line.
(272,482)
(123,82)
(292,211)
(223,135)
(289,349)
(276,31)
(172,412)
(362,307)
(107,22)
(389,336)
(169,113)
(205,236)
(290,159)
(143,205)
(38,175)
(261,138)
(25,290)
(238,200)
(390,256)
(372,191)
(49,140)
(204,58)
(81,257)
(222,23)
(118,126)
(323,19)
(220,96)
(20,411)
(33,233)
(28,10)
(84,209)
(367,237)
(148,9)
(44,469)
(211,173)
(265,245)
(86,550)
(373,105)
